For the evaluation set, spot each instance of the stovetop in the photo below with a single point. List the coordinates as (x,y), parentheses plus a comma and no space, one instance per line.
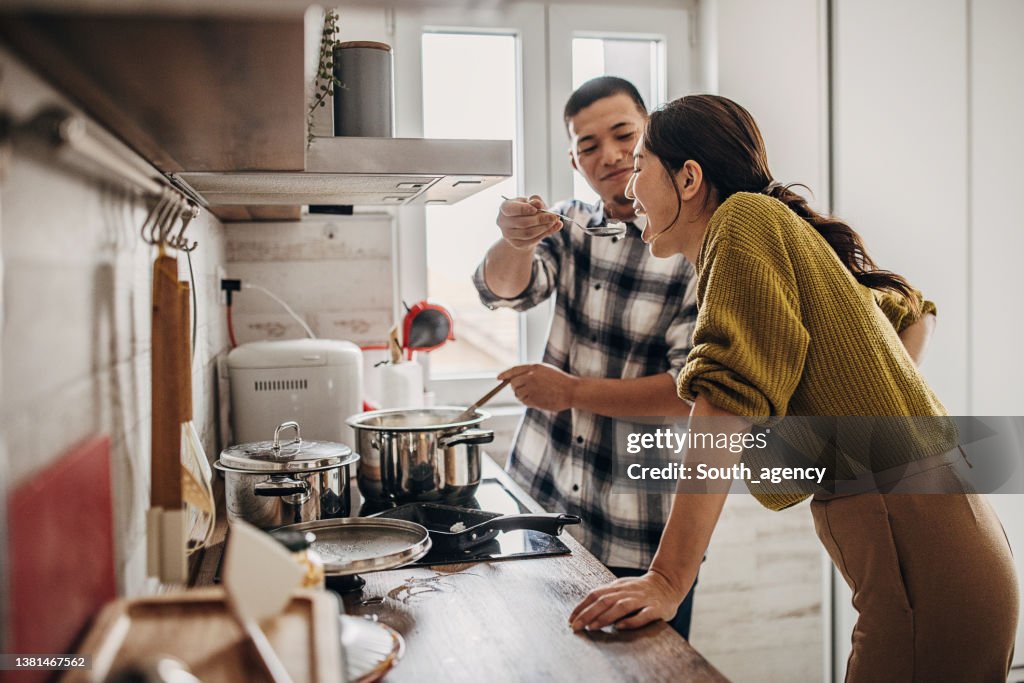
(492,496)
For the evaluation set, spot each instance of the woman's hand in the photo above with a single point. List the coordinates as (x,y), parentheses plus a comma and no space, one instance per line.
(628,603)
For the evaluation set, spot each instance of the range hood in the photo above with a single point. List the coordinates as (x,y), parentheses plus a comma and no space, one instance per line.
(365,171)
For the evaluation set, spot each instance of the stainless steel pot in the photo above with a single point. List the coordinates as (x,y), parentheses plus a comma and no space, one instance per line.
(269,483)
(420,454)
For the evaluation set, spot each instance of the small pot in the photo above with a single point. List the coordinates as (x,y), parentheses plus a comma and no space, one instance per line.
(269,483)
(420,454)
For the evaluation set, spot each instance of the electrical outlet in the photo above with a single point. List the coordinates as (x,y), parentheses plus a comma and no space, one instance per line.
(221,275)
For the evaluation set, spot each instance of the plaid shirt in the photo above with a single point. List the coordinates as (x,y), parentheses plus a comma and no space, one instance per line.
(619,313)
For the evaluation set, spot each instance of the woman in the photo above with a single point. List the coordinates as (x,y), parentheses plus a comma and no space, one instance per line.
(791,323)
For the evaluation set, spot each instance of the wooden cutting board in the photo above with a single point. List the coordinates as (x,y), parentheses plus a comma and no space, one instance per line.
(61,531)
(196,627)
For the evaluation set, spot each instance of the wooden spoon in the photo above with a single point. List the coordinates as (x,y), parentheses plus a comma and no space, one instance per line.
(468,412)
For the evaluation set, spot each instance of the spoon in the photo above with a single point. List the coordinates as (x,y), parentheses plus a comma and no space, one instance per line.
(610,229)
(470,411)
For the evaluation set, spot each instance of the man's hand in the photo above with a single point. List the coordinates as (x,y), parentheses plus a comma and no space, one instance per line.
(522,223)
(542,386)
(628,603)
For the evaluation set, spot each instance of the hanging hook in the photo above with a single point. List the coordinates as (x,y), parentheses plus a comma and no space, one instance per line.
(165,221)
(188,214)
(150,231)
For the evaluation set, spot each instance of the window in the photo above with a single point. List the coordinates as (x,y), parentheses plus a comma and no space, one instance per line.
(504,71)
(482,103)
(488,341)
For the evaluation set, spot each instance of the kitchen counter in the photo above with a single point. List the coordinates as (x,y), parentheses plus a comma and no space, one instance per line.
(508,620)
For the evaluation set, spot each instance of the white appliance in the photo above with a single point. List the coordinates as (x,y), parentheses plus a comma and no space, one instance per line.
(315,382)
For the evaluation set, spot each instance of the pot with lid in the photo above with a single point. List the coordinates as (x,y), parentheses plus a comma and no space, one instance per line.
(421,454)
(272,483)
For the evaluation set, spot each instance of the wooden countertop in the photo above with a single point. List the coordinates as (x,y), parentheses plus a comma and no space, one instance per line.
(508,621)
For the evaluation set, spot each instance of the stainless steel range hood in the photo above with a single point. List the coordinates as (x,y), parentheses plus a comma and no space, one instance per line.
(366,171)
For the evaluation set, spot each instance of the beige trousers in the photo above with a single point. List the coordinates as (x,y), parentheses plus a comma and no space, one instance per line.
(933,583)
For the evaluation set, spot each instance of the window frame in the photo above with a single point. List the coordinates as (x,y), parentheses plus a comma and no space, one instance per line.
(544,81)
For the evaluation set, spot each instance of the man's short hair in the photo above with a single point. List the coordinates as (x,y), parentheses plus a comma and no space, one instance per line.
(597,89)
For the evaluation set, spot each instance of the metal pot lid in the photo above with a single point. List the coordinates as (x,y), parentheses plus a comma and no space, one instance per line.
(416,419)
(288,456)
(350,545)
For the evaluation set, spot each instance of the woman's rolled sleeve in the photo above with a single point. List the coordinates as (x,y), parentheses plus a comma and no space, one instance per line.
(897,307)
(750,343)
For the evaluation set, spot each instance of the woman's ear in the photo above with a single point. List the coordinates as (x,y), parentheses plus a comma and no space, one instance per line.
(690,179)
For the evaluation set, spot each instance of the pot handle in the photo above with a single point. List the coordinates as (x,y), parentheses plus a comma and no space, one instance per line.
(280,486)
(468,437)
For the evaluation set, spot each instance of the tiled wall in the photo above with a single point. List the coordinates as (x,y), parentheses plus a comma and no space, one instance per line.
(335,272)
(76,325)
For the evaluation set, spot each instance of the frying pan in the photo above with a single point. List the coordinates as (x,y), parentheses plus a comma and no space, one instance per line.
(472,527)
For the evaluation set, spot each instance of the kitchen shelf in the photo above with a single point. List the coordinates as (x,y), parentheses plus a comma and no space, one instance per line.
(218,104)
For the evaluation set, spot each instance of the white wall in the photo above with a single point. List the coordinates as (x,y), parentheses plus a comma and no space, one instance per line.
(996,113)
(927,155)
(758,613)
(771,60)
(76,324)
(901,175)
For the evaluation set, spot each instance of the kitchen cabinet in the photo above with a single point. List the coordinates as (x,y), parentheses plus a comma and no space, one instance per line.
(186,93)
(508,620)
(218,105)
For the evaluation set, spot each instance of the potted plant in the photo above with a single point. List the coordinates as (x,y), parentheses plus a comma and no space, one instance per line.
(324,83)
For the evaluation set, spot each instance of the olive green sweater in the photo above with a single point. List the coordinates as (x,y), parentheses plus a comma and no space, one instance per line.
(784,329)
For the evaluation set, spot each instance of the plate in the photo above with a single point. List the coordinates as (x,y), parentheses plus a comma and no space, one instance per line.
(371,648)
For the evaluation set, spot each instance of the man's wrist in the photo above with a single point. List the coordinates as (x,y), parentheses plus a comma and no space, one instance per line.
(527,249)
(576,391)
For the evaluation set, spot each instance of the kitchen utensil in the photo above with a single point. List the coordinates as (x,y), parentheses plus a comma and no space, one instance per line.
(255,596)
(454,528)
(470,411)
(271,483)
(365,544)
(315,382)
(422,454)
(196,627)
(394,346)
(371,648)
(611,228)
(353,545)
(426,326)
(170,407)
(196,484)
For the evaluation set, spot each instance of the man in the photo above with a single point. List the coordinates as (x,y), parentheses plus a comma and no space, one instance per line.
(620,334)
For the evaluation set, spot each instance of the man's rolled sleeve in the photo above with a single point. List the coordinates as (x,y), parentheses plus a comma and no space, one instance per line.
(543,279)
(679,335)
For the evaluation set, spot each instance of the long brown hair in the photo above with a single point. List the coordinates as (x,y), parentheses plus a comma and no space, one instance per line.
(723,138)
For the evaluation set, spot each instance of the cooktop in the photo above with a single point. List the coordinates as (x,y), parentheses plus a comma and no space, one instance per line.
(493,496)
